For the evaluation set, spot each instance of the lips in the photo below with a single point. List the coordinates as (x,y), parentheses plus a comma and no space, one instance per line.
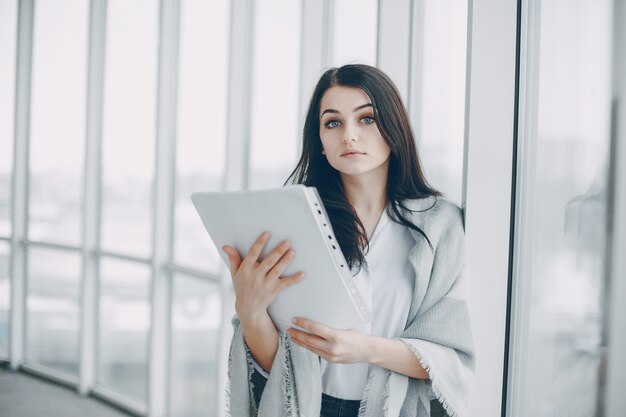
(348,153)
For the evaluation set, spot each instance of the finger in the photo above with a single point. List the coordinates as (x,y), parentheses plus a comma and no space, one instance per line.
(277,268)
(289,280)
(308,338)
(274,256)
(318,352)
(255,250)
(233,257)
(314,327)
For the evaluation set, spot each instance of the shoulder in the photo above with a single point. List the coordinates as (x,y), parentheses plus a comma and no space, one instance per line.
(438,217)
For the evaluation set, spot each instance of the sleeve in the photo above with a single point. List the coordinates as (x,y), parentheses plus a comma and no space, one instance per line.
(258,368)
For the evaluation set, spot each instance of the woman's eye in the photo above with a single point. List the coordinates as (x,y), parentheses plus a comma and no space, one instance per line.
(332,123)
(368,120)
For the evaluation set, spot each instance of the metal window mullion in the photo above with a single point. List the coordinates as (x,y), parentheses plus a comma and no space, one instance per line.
(19,201)
(212,276)
(51,245)
(161,288)
(239,108)
(394,42)
(415,90)
(516,404)
(614,402)
(91,198)
(490,125)
(315,49)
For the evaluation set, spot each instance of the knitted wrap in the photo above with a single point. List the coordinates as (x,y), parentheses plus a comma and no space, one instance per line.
(437,332)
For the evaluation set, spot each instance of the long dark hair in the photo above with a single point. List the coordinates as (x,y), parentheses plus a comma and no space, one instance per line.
(405,178)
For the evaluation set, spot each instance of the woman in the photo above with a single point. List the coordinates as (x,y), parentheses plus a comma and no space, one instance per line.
(403,241)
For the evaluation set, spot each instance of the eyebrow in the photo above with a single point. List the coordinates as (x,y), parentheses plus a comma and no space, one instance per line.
(355,109)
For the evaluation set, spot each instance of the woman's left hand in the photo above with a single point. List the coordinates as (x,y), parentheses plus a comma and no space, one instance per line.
(337,346)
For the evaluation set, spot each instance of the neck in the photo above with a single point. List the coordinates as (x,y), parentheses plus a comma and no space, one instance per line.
(367,192)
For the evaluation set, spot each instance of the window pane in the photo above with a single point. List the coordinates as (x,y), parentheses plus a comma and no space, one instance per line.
(275,130)
(57,125)
(8,28)
(201,142)
(5,298)
(562,267)
(196,318)
(129,125)
(124,325)
(53,309)
(355,32)
(438,113)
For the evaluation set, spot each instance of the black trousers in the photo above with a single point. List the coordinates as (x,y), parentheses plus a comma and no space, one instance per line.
(331,406)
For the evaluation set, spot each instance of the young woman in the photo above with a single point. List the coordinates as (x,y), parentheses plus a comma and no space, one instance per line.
(404,243)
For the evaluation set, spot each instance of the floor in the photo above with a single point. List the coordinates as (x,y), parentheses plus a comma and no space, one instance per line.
(23,395)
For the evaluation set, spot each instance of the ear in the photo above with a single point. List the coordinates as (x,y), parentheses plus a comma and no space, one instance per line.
(323,152)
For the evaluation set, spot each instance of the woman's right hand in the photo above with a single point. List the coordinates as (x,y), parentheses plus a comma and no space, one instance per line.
(258,283)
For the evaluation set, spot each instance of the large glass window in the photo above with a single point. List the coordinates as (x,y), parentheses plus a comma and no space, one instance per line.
(354,32)
(275,128)
(5,298)
(8,32)
(124,319)
(437,105)
(201,141)
(196,319)
(129,125)
(556,366)
(57,127)
(53,309)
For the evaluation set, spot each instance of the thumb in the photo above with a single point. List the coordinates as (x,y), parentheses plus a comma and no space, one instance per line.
(233,257)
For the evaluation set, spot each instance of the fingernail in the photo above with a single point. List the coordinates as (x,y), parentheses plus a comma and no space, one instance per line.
(295,321)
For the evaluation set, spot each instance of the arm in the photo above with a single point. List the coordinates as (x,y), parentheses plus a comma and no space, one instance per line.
(396,356)
(262,339)
(352,346)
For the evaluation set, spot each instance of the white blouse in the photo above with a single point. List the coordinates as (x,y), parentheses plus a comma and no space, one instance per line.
(386,285)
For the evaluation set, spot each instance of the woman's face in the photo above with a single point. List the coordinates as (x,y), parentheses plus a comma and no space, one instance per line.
(350,137)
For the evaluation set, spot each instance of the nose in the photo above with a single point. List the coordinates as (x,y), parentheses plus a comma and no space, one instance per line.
(350,134)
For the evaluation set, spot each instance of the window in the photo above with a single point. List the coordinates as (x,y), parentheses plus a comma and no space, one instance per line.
(355,32)
(5,298)
(8,28)
(437,102)
(558,296)
(124,318)
(275,129)
(57,128)
(53,309)
(201,141)
(196,319)
(129,126)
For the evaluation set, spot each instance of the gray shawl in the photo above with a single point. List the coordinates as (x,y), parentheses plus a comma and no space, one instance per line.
(437,332)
